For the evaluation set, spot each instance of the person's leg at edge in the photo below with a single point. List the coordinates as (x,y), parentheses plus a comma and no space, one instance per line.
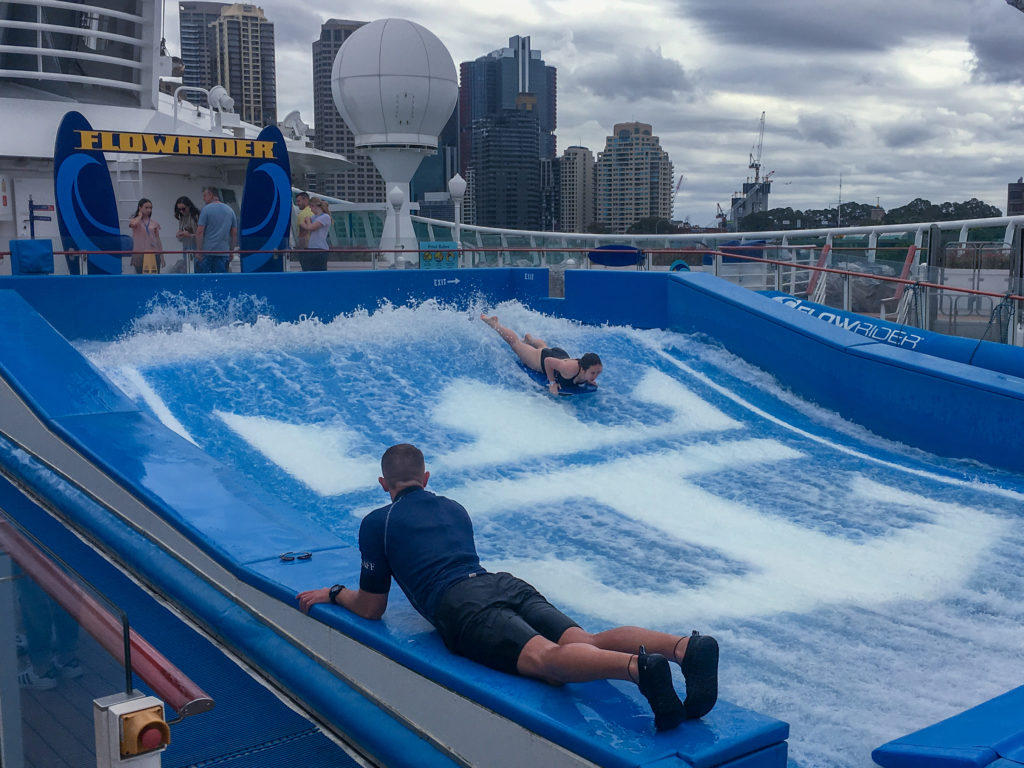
(581,662)
(573,662)
(529,354)
(696,655)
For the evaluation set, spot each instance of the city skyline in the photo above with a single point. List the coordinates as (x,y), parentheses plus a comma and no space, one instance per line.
(903,100)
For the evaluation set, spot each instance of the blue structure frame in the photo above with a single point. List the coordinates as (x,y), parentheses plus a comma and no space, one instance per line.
(200,502)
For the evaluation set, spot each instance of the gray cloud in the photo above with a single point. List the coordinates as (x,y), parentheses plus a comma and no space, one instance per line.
(830,129)
(634,75)
(995,39)
(906,135)
(824,25)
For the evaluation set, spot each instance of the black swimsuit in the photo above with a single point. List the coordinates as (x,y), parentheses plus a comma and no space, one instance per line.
(559,354)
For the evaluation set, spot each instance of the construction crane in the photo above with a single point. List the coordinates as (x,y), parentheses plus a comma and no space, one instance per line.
(755,152)
(682,178)
(722,217)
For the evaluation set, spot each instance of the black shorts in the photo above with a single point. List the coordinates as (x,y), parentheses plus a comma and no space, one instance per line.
(490,617)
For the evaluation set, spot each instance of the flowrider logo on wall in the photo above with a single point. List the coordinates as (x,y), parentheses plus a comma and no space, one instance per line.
(87,215)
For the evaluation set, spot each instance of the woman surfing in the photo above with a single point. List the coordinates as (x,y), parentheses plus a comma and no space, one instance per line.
(554,363)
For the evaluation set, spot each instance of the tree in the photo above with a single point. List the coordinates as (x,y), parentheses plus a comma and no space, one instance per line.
(859,214)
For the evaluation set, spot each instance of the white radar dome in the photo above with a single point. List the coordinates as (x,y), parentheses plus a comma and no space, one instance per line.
(394,84)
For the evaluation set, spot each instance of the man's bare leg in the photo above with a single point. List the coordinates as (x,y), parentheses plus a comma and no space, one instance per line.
(628,639)
(574,662)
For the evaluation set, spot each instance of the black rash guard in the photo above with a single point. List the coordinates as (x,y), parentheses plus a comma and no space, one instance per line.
(425,541)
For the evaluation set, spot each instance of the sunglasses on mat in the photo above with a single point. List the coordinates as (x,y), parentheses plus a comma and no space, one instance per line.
(288,557)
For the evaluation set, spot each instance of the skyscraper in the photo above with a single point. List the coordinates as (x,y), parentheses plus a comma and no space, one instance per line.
(577,172)
(633,178)
(363,184)
(230,45)
(245,62)
(198,43)
(506,170)
(500,95)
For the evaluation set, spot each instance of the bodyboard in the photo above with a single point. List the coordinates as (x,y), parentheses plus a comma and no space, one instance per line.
(573,389)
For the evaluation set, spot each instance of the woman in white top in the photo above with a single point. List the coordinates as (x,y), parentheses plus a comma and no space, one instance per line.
(318,227)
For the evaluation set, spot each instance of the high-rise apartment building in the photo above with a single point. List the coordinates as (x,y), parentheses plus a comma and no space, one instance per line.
(500,94)
(506,170)
(363,184)
(245,62)
(577,189)
(230,45)
(198,42)
(633,176)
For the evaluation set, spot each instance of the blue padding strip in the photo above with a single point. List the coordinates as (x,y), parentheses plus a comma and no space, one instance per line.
(903,395)
(975,738)
(992,355)
(369,726)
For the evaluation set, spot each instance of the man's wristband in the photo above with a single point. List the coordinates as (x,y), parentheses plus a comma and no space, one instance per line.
(335,591)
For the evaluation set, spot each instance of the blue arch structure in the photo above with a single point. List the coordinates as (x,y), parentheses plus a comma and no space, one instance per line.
(266,207)
(86,209)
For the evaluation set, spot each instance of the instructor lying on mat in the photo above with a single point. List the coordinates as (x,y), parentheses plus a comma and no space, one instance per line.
(426,542)
(554,362)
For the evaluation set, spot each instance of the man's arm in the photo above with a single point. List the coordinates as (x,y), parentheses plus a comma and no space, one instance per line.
(369,605)
(200,231)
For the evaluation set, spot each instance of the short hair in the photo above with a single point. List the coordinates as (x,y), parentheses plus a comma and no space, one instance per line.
(302,194)
(402,463)
(213,191)
(589,360)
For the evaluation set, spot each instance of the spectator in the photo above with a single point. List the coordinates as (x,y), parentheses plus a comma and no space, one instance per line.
(316,229)
(146,246)
(304,215)
(216,235)
(187,214)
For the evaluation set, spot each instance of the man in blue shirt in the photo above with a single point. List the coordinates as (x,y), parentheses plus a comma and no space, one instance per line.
(426,543)
(217,233)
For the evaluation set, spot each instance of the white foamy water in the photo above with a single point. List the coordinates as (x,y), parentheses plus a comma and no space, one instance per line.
(859,589)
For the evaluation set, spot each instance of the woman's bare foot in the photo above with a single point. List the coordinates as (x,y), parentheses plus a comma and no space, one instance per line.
(491,321)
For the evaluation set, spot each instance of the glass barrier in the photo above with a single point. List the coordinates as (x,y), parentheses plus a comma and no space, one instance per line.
(51,667)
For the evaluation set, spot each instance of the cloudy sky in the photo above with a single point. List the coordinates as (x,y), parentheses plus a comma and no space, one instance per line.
(898,98)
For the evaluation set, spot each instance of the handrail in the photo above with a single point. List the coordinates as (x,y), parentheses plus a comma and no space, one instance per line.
(168,682)
(883,278)
(535,249)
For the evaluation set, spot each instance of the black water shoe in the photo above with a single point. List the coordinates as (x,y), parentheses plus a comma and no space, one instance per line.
(700,670)
(655,681)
